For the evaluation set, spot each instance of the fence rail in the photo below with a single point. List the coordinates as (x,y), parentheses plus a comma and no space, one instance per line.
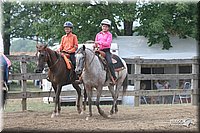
(137,77)
(105,93)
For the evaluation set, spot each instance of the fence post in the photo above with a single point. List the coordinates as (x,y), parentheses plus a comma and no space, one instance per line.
(137,82)
(23,68)
(194,82)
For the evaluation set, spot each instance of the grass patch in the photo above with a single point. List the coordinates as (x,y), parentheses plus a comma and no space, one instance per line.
(15,86)
(33,104)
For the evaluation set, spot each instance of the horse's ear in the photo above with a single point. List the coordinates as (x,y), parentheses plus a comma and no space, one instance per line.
(83,47)
(45,46)
(41,46)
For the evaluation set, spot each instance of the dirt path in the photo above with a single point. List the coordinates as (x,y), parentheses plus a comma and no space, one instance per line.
(143,118)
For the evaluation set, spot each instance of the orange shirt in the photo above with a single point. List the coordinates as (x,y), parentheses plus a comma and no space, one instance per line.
(69,43)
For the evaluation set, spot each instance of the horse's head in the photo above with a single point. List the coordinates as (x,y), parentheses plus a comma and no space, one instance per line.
(42,57)
(80,60)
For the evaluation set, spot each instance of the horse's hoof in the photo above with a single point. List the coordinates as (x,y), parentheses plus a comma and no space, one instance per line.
(109,116)
(57,114)
(87,118)
(111,112)
(53,115)
(105,116)
(81,113)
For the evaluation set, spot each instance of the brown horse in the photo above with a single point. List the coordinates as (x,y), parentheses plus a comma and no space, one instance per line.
(59,75)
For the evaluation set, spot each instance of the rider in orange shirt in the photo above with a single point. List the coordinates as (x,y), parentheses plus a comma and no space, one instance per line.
(69,43)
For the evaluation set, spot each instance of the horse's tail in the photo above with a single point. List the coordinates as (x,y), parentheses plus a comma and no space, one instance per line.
(125,84)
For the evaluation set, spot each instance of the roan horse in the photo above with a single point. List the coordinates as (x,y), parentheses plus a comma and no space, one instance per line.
(94,76)
(58,74)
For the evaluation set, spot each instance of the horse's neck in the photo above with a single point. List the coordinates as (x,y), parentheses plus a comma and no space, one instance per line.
(93,64)
(52,57)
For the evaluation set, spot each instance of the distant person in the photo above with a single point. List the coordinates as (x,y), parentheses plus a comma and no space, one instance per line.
(166,85)
(159,85)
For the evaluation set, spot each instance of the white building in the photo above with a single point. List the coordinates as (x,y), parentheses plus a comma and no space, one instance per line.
(136,46)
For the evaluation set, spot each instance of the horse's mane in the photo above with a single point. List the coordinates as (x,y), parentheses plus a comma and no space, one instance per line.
(90,50)
(54,52)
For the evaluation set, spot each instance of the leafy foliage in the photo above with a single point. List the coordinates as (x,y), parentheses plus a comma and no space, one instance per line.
(157,20)
(160,20)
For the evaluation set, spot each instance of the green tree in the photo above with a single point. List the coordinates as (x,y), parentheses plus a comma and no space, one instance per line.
(160,20)
(86,17)
(18,21)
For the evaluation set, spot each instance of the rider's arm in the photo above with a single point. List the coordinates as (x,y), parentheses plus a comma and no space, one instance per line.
(61,44)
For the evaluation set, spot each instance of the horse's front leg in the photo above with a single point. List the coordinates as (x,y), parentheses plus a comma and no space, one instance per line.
(57,108)
(89,94)
(101,112)
(79,99)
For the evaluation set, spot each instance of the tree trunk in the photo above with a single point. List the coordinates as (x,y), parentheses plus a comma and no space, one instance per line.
(128,27)
(116,29)
(6,33)
(6,44)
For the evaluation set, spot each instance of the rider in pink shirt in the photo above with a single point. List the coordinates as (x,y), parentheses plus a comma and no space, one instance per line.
(103,41)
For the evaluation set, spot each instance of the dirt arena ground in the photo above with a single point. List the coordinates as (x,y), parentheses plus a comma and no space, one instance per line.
(129,118)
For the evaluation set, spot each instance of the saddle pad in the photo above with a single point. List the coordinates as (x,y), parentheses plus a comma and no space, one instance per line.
(67,61)
(117,63)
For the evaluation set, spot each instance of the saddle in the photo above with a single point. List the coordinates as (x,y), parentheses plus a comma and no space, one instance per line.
(117,63)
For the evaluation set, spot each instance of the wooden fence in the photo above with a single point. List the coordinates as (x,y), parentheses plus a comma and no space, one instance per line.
(137,77)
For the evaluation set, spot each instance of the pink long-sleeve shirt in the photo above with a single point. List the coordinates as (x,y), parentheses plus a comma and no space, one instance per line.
(104,39)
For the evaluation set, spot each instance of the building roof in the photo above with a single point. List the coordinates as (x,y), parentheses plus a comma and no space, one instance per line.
(136,46)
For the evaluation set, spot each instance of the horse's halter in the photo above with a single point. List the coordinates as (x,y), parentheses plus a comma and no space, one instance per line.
(84,56)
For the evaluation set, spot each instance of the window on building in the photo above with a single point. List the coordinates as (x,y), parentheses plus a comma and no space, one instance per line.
(158,70)
(185,69)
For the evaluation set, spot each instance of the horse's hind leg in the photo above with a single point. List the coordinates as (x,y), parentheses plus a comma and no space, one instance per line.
(79,100)
(101,112)
(111,88)
(118,86)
